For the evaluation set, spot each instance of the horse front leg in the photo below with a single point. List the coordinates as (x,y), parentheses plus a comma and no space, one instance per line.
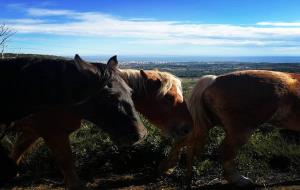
(233,141)
(166,166)
(60,145)
(194,143)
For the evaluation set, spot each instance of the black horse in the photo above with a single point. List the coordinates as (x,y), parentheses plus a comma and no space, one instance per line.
(111,106)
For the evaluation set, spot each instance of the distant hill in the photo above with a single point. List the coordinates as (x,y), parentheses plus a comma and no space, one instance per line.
(189,69)
(12,55)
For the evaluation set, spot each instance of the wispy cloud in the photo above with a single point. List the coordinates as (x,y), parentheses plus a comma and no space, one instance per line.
(147,31)
(48,12)
(282,24)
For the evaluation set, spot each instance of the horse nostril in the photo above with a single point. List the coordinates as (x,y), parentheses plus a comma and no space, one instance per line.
(186,131)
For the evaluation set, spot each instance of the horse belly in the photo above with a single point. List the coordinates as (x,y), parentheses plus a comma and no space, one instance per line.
(242,101)
(289,116)
(46,122)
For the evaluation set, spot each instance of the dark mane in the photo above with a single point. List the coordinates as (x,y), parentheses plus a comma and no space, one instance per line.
(105,72)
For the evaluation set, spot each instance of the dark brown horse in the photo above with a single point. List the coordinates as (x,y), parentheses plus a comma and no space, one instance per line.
(157,95)
(29,85)
(111,107)
(240,102)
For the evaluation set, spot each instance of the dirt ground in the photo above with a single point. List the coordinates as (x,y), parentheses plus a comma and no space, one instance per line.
(139,181)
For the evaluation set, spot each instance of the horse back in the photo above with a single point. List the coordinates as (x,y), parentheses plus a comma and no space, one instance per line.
(29,84)
(253,96)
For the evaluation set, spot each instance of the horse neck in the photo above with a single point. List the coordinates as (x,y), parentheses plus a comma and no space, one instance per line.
(83,110)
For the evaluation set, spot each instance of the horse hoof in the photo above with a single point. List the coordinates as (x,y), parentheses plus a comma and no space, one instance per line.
(170,171)
(165,170)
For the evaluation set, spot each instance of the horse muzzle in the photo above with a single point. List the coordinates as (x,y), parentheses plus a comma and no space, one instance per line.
(132,139)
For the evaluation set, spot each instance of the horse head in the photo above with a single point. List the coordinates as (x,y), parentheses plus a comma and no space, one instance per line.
(158,96)
(113,108)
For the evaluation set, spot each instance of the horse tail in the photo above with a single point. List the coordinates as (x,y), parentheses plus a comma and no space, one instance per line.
(196,105)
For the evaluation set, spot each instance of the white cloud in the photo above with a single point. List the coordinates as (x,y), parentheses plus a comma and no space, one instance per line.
(284,24)
(213,42)
(48,12)
(23,21)
(139,30)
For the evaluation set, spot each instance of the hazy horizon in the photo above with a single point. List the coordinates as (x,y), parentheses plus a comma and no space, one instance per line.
(194,59)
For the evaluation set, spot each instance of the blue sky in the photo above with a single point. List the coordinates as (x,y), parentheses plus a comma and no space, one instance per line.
(169,27)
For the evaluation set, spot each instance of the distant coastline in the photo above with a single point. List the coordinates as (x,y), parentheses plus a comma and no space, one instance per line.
(199,59)
(177,59)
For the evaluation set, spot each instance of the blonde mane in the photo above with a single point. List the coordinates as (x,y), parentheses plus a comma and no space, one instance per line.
(137,82)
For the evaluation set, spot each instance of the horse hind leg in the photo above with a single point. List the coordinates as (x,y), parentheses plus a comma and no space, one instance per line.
(234,139)
(24,141)
(60,145)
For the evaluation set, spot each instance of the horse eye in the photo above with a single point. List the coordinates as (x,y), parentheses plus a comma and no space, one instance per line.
(170,99)
(109,85)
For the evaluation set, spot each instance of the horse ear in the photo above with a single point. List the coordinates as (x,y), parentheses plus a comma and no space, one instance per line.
(112,62)
(144,75)
(154,84)
(77,58)
(81,65)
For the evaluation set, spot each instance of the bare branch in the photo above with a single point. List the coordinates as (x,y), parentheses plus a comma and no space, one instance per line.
(5,34)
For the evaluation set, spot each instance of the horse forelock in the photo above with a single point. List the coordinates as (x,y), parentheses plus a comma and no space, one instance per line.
(195,101)
(139,85)
(133,79)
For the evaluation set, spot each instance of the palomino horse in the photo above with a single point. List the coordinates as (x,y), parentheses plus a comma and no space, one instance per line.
(111,106)
(157,95)
(240,102)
